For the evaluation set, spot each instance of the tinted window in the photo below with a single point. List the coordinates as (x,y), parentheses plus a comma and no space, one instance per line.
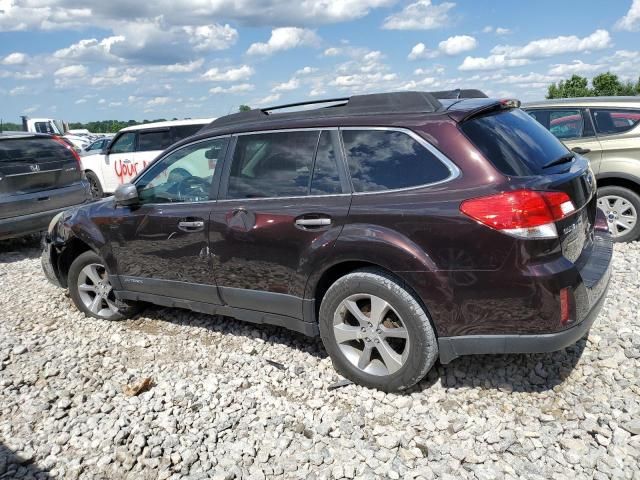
(274,164)
(184,175)
(43,127)
(564,124)
(325,172)
(183,131)
(383,160)
(125,143)
(158,140)
(608,121)
(33,150)
(514,142)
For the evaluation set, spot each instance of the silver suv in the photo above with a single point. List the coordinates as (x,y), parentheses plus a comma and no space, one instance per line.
(607,131)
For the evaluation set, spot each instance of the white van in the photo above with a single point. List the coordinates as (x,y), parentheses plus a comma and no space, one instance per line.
(132,149)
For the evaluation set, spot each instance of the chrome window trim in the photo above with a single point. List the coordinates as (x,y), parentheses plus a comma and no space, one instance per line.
(454,171)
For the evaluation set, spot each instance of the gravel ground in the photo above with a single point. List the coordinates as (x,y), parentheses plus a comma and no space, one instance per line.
(230,400)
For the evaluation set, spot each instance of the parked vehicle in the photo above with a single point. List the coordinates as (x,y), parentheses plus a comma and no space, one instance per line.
(40,176)
(399,227)
(97,147)
(607,131)
(54,127)
(131,150)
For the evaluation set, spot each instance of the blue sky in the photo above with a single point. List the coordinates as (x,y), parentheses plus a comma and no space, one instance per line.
(116,59)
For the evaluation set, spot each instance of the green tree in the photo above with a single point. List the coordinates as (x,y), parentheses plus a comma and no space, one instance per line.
(576,86)
(607,85)
(244,108)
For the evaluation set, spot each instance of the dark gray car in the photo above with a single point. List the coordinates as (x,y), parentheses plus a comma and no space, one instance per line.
(40,176)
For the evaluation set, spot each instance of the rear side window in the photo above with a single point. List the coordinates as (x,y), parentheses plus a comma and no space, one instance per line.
(610,121)
(514,142)
(276,164)
(183,131)
(150,141)
(33,150)
(385,160)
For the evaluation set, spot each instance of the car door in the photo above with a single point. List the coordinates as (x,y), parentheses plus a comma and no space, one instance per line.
(160,246)
(118,165)
(574,128)
(617,130)
(283,202)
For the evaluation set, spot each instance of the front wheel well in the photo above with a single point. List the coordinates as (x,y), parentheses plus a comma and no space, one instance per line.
(72,249)
(619,182)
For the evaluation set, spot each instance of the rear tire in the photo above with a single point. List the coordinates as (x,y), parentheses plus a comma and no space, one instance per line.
(91,291)
(376,332)
(622,208)
(94,183)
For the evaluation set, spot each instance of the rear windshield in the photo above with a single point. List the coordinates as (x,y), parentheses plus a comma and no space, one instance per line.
(32,149)
(514,142)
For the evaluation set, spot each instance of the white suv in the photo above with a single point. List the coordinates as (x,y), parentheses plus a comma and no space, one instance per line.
(131,150)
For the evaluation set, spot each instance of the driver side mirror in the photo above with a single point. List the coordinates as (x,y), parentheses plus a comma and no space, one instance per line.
(126,194)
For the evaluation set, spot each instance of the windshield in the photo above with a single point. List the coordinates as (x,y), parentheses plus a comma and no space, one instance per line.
(514,142)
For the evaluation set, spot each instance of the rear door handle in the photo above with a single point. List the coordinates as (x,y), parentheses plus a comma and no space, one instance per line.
(191,226)
(580,150)
(313,222)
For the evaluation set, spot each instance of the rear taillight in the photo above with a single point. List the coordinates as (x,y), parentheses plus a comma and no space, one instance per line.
(521,213)
(62,142)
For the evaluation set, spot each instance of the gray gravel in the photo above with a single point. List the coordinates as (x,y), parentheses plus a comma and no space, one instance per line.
(231,400)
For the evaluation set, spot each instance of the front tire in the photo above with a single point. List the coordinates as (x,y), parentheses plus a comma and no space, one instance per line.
(92,292)
(622,207)
(94,184)
(376,332)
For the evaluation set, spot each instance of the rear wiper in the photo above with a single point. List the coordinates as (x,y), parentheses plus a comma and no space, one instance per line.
(563,159)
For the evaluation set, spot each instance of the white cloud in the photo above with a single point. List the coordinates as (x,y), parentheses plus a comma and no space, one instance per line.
(577,66)
(115,104)
(72,71)
(457,44)
(268,100)
(331,52)
(284,38)
(90,50)
(502,31)
(184,67)
(233,74)
(547,47)
(157,101)
(17,91)
(211,37)
(239,88)
(421,15)
(487,29)
(15,58)
(116,76)
(31,109)
(80,101)
(292,84)
(420,50)
(102,101)
(631,21)
(491,62)
(306,71)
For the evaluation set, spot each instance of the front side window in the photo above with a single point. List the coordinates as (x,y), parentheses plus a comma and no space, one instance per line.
(386,159)
(152,141)
(124,144)
(184,175)
(275,164)
(611,121)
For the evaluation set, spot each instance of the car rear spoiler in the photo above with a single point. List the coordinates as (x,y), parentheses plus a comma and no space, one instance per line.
(466,110)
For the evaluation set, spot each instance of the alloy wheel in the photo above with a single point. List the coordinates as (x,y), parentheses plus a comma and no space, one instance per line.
(96,292)
(371,334)
(621,214)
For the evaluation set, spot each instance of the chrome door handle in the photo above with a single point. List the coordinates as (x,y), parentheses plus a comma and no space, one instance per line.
(191,226)
(313,222)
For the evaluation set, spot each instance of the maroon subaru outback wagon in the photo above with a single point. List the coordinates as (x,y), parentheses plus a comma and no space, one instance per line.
(401,227)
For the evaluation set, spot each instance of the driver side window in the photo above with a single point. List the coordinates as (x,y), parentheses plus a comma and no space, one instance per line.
(185,175)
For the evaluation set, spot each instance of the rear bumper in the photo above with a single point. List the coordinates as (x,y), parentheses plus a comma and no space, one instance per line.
(590,296)
(26,224)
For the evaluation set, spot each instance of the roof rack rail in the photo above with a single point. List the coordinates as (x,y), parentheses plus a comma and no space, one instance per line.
(302,104)
(367,104)
(458,94)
